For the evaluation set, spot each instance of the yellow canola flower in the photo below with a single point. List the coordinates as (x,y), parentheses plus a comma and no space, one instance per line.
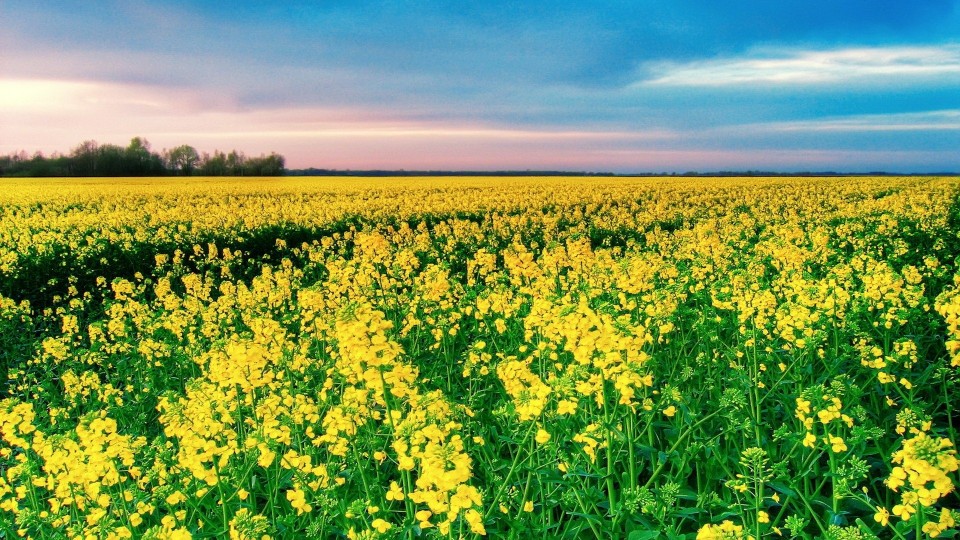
(882,516)
(948,306)
(381,525)
(528,392)
(727,530)
(247,526)
(298,501)
(395,493)
(924,464)
(567,406)
(836,443)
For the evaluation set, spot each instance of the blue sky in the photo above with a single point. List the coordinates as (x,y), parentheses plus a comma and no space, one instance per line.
(600,86)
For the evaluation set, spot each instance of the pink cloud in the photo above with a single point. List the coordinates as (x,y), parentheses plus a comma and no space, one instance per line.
(57,115)
(50,115)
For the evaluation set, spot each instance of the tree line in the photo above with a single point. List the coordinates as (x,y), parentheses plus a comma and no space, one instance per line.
(90,158)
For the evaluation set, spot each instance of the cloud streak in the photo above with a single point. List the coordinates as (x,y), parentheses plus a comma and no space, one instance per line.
(812,67)
(943,120)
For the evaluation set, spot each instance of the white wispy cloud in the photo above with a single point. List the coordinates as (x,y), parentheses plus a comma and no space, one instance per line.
(795,66)
(940,120)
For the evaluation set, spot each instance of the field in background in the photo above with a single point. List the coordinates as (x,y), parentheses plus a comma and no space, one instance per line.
(452,357)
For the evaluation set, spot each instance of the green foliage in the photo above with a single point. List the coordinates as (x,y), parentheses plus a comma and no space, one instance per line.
(91,158)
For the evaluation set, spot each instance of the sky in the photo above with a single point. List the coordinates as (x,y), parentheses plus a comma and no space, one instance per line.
(619,86)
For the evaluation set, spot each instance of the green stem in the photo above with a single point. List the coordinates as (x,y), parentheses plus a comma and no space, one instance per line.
(513,466)
(611,493)
(677,444)
(363,476)
(812,513)
(631,455)
(947,401)
(833,484)
(583,508)
(404,475)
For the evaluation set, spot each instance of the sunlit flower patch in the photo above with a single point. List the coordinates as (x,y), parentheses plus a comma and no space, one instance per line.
(465,357)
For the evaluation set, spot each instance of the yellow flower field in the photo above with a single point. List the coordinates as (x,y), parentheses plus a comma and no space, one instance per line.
(454,357)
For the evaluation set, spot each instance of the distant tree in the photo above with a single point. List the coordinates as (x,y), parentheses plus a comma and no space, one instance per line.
(90,158)
(272,165)
(59,164)
(140,161)
(235,163)
(111,161)
(182,160)
(84,159)
(215,165)
(14,164)
(39,166)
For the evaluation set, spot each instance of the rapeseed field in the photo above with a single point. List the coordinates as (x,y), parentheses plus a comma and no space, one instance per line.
(456,357)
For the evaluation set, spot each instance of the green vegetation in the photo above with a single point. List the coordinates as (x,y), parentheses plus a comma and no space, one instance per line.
(137,159)
(452,358)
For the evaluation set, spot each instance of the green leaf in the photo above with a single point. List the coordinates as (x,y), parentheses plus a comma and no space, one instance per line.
(643,535)
(645,451)
(588,517)
(782,488)
(688,512)
(584,474)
